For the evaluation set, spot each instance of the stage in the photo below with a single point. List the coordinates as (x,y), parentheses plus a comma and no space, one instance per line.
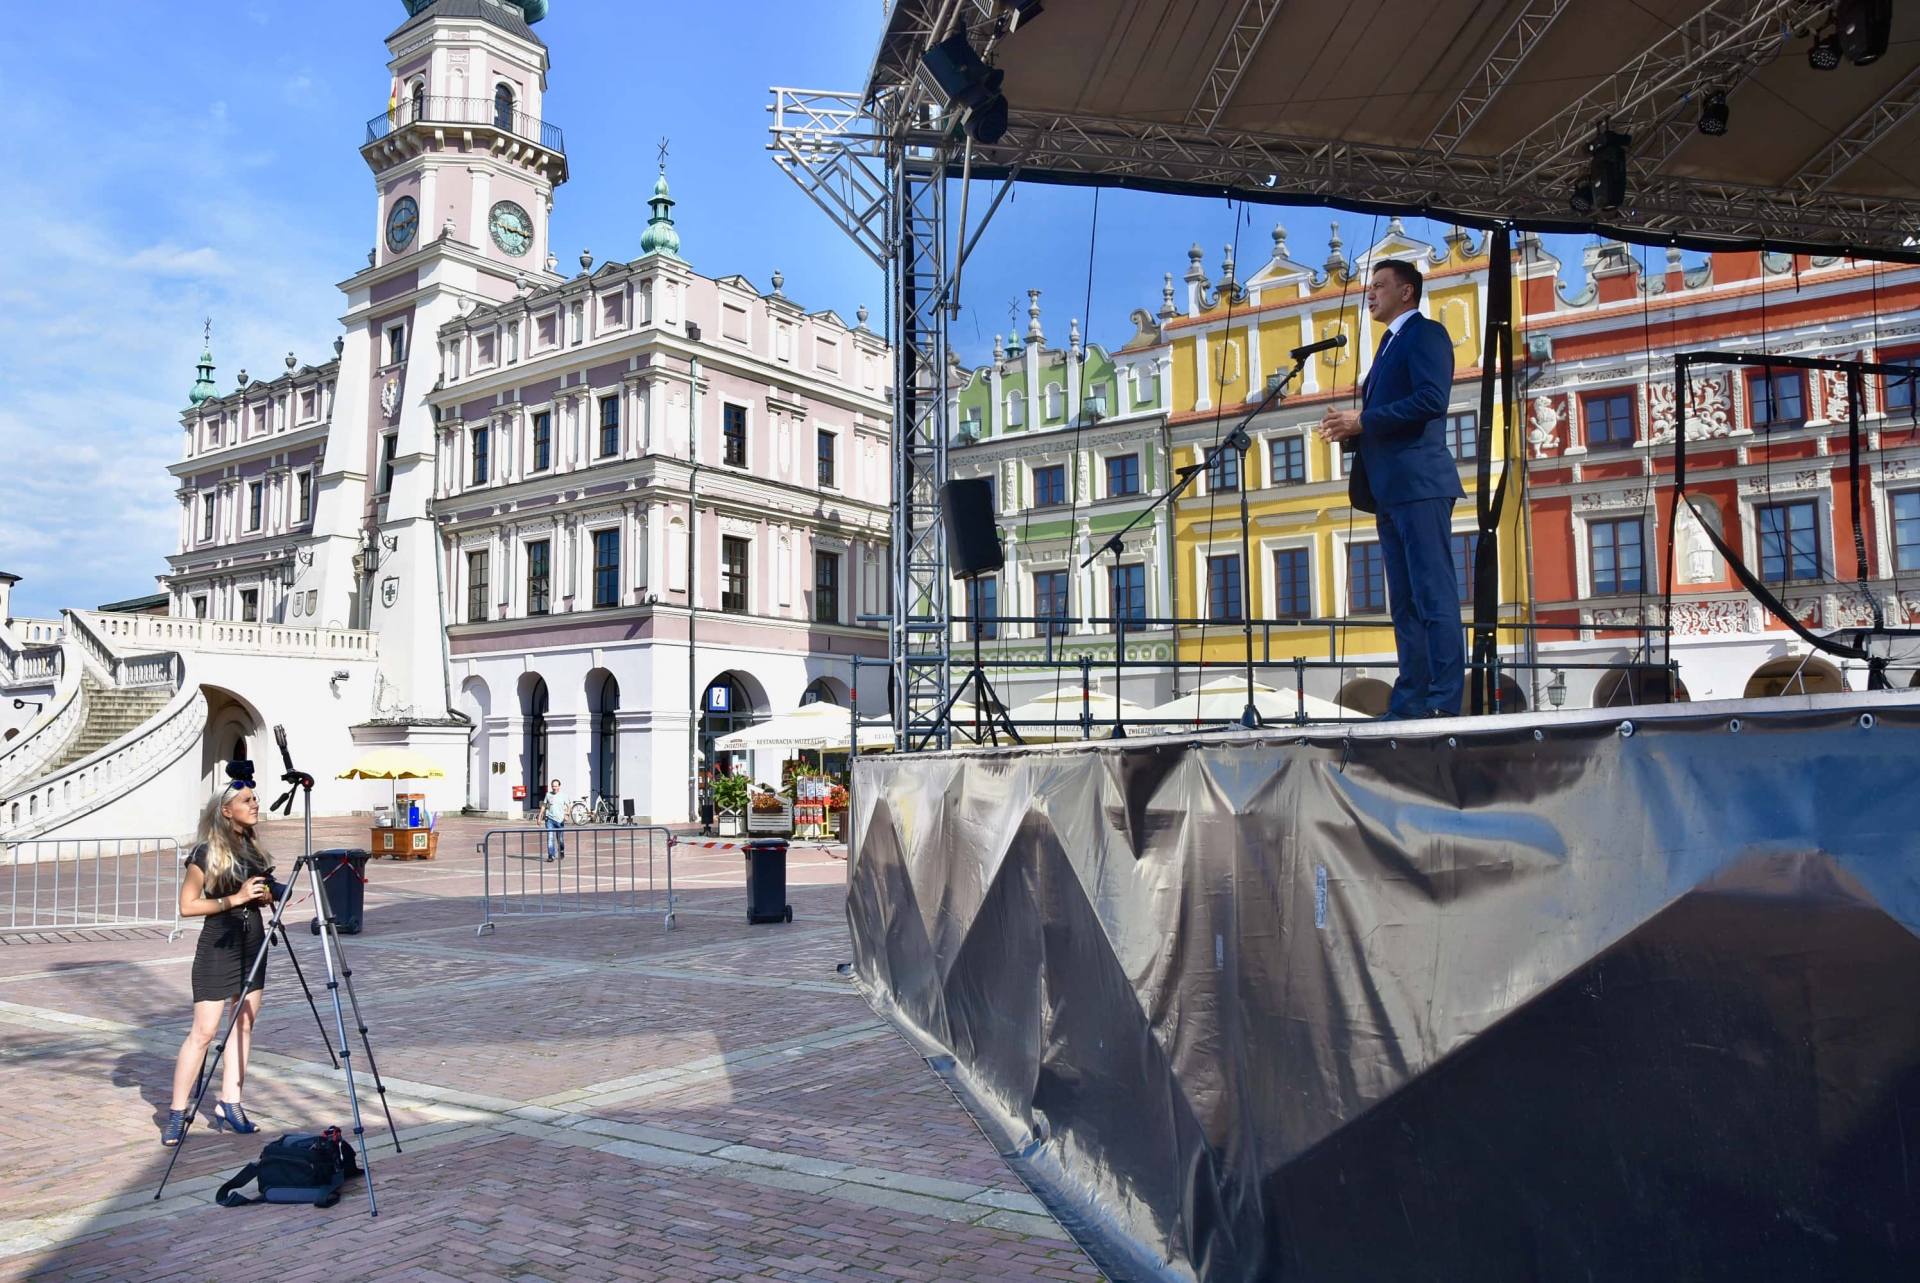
(1619,993)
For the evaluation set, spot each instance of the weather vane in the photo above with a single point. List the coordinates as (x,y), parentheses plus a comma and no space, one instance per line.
(663,154)
(206,332)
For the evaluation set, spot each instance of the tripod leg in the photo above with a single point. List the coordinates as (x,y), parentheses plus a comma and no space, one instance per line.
(327,942)
(360,1021)
(307,989)
(211,1066)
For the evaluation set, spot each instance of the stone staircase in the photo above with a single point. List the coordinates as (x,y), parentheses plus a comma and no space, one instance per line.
(111,714)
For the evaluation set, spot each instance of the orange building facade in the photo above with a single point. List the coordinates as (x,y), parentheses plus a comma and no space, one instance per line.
(1767,466)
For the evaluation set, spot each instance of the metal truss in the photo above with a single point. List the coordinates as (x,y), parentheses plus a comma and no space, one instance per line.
(919,646)
(1882,118)
(1521,38)
(1230,64)
(836,153)
(1718,46)
(878,169)
(1472,188)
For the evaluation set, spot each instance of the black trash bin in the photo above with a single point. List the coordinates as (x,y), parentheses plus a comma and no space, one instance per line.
(767,881)
(344,875)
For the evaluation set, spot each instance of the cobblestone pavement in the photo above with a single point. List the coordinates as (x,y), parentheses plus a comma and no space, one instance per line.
(579,1096)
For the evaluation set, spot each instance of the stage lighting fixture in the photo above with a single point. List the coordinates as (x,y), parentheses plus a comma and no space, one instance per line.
(1607,167)
(1713,113)
(967,82)
(1580,199)
(1022,12)
(1824,53)
(1866,28)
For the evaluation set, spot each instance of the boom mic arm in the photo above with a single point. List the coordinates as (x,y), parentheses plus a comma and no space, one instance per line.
(1312,349)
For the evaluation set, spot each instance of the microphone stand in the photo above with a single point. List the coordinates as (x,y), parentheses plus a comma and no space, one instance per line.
(1241,441)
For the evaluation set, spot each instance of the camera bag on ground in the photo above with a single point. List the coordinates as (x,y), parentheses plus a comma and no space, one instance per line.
(300,1167)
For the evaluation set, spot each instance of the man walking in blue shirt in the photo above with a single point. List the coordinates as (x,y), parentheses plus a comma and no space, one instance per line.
(1402,472)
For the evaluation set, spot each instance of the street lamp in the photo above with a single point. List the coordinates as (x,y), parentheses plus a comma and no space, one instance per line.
(1557,689)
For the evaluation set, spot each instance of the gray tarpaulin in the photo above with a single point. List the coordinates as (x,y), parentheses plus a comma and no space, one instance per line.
(1542,998)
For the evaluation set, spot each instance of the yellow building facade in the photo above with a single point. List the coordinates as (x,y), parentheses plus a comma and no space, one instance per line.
(1311,555)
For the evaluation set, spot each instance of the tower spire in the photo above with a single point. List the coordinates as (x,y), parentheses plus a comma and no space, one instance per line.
(661,237)
(203,383)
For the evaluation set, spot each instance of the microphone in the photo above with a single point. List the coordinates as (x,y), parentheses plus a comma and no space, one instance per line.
(1302,353)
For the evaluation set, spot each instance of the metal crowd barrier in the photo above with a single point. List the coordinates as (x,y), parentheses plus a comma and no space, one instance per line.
(608,868)
(66,884)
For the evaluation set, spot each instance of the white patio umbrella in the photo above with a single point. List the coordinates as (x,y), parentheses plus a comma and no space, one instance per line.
(1225,698)
(814,727)
(1066,707)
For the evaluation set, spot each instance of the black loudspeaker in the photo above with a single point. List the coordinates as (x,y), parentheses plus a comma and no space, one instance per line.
(973,544)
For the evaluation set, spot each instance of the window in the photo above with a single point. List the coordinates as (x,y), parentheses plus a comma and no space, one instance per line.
(389,444)
(1776,399)
(1465,546)
(200,607)
(542,441)
(417,98)
(1789,541)
(606,568)
(482,440)
(256,503)
(1287,460)
(1906,531)
(396,344)
(823,448)
(307,405)
(503,107)
(826,588)
(733,575)
(1223,587)
(1056,401)
(1050,486)
(1224,476)
(609,426)
(1123,475)
(1463,435)
(249,605)
(305,482)
(1016,408)
(477,611)
(733,435)
(1609,417)
(983,604)
(1050,601)
(1614,554)
(206,517)
(1292,583)
(1366,578)
(1899,397)
(538,565)
(1127,593)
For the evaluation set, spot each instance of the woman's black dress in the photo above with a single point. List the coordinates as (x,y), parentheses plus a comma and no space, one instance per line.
(229,940)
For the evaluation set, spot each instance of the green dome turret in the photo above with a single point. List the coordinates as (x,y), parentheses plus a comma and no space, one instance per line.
(661,237)
(532,10)
(203,385)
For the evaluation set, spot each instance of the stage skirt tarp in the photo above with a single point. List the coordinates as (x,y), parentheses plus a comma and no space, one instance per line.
(1558,999)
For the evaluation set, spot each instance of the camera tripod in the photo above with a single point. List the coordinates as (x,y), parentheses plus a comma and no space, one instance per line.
(339,976)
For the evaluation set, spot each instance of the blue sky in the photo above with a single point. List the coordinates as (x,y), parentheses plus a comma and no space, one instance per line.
(166,163)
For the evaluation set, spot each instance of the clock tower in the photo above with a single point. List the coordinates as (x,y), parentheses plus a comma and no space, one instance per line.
(464,166)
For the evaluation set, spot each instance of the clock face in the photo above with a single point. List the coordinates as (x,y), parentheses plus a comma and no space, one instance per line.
(403,220)
(512,229)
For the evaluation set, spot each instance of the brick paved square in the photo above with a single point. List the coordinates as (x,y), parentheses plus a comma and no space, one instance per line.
(580,1096)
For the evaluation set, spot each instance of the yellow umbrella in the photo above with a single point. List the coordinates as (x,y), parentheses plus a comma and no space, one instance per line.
(393,764)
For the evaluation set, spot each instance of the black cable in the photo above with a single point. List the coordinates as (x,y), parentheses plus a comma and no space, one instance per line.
(1204,608)
(1073,479)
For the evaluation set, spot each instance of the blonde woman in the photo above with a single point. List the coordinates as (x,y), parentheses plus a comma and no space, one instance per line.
(226,883)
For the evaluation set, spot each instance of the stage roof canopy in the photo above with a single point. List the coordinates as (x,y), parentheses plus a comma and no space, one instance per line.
(1472,110)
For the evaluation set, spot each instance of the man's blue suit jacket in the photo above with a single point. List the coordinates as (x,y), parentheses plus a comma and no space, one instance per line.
(1402,453)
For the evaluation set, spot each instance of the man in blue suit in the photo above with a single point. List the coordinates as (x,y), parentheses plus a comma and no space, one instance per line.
(1402,472)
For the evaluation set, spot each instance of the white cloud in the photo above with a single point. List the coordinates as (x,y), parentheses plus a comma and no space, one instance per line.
(172,260)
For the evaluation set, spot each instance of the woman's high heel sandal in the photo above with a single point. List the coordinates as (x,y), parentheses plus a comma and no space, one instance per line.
(232,1118)
(175,1128)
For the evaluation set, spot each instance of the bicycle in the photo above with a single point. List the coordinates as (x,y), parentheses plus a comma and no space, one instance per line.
(600,810)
